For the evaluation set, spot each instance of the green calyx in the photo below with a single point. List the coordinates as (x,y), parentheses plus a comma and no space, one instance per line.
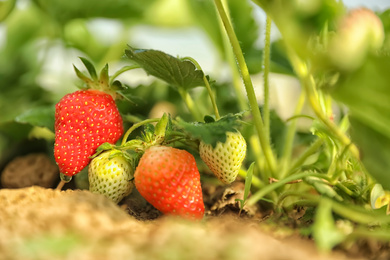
(102,82)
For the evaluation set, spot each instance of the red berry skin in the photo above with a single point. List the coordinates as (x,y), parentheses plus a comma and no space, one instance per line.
(84,120)
(168,178)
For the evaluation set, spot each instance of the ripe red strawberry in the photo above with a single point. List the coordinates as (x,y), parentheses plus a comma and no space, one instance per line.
(84,120)
(169,179)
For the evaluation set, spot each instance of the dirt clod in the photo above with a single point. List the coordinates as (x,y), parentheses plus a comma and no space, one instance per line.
(32,169)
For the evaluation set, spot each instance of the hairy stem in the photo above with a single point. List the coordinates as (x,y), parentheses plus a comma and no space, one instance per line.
(258,121)
(266,69)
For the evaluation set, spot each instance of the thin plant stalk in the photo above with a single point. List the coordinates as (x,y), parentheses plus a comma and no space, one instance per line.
(135,126)
(288,144)
(190,104)
(266,71)
(258,121)
(61,185)
(208,87)
(312,149)
(122,70)
(275,185)
(352,212)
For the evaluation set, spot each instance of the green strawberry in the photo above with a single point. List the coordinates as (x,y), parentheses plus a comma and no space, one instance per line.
(110,174)
(168,178)
(225,159)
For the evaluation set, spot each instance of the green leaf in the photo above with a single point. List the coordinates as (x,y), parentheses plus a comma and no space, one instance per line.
(160,129)
(39,116)
(103,77)
(248,184)
(248,181)
(128,94)
(212,132)
(325,233)
(82,76)
(176,72)
(208,119)
(366,92)
(103,147)
(375,151)
(90,68)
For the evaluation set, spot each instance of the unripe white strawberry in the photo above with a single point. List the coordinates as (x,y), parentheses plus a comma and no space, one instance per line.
(359,32)
(225,159)
(110,174)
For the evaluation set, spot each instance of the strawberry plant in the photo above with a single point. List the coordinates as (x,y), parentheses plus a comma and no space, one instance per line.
(323,153)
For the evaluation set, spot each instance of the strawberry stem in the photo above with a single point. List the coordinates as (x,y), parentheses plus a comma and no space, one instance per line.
(64,180)
(275,185)
(258,121)
(135,126)
(266,70)
(207,85)
(122,70)
(61,185)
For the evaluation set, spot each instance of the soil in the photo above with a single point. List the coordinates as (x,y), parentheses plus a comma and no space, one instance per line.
(44,223)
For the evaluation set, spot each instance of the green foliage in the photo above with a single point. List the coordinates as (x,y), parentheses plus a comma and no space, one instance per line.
(211,132)
(178,73)
(64,11)
(366,93)
(375,151)
(204,15)
(325,232)
(6,8)
(39,116)
(248,184)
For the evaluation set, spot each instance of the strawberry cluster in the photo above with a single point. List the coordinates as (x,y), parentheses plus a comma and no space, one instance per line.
(87,127)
